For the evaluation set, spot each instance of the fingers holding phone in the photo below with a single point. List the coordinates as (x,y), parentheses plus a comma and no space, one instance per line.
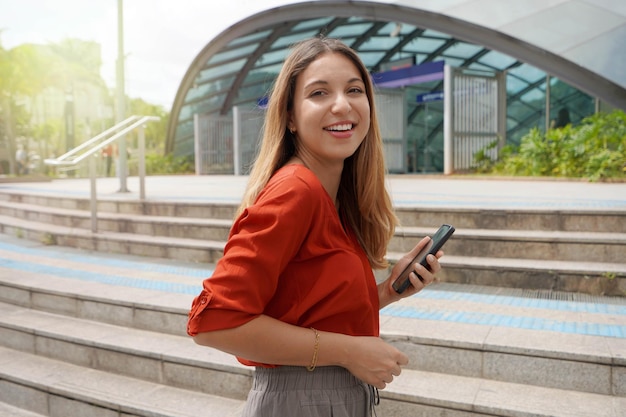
(422,269)
(421,276)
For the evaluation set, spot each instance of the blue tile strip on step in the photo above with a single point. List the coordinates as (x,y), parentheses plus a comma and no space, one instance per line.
(531,323)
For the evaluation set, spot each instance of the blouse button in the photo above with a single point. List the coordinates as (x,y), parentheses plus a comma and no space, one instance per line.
(203,300)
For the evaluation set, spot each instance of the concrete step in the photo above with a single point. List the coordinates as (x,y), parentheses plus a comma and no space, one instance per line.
(7,410)
(56,388)
(186,249)
(575,220)
(204,210)
(588,276)
(526,244)
(572,220)
(600,278)
(170,226)
(419,393)
(522,244)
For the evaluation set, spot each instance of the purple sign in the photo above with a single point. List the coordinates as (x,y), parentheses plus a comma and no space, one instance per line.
(415,74)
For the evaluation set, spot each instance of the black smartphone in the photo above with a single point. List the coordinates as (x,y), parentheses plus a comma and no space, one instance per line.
(436,242)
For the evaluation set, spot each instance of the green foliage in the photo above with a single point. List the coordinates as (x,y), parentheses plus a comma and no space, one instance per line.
(595,149)
(21,69)
(168,164)
(482,159)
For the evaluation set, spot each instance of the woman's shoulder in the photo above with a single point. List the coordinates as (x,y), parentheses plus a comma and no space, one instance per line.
(293,185)
(296,176)
(296,171)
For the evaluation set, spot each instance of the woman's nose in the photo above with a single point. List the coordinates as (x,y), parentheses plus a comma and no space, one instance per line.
(341,104)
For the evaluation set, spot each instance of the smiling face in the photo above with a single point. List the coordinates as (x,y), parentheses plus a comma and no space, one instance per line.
(331,112)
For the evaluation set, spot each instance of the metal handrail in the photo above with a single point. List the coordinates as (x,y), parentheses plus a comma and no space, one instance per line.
(95,144)
(91,141)
(61,160)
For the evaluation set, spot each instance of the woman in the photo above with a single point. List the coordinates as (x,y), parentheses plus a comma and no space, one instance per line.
(294,293)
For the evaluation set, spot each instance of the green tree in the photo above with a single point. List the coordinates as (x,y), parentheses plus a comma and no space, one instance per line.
(22,71)
(73,61)
(19,75)
(155,131)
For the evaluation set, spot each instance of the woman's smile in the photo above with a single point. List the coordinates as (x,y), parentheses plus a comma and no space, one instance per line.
(341,130)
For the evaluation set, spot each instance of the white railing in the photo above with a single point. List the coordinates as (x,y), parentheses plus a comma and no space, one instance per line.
(94,145)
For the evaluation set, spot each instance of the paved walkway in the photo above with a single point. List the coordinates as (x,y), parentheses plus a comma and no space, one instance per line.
(406,190)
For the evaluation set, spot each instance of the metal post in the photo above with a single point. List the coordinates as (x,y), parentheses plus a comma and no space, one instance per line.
(93,201)
(236,139)
(121,99)
(547,103)
(141,139)
(448,120)
(198,158)
(69,119)
(425,167)
(502,115)
(8,120)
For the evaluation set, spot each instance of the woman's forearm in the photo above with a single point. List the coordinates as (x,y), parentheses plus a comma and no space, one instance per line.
(270,341)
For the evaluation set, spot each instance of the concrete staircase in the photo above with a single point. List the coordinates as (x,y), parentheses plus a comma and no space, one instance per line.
(88,334)
(93,324)
(575,251)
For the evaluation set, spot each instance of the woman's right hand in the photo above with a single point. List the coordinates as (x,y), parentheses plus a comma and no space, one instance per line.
(373,361)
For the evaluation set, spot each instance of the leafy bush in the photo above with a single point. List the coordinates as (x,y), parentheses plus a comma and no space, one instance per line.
(482,158)
(168,164)
(595,149)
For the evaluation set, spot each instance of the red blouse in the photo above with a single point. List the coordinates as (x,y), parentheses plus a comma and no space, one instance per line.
(288,256)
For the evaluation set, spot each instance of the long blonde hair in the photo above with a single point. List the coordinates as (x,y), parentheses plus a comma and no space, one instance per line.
(364,200)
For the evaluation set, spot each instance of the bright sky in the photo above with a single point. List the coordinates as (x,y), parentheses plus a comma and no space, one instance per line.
(161,37)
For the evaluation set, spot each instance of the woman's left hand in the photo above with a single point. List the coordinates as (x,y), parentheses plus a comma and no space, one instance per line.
(388,295)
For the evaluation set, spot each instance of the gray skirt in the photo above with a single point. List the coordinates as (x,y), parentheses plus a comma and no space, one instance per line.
(291,391)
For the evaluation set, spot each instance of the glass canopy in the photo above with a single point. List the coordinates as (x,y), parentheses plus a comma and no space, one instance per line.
(242,72)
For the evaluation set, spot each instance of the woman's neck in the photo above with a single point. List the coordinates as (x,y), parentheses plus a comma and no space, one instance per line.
(329,176)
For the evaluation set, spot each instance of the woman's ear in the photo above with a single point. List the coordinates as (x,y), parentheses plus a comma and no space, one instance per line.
(291,126)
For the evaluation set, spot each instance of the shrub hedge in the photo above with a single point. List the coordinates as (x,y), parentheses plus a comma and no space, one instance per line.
(594,149)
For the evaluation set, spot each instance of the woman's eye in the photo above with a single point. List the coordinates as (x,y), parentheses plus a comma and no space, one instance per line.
(356,90)
(317,93)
